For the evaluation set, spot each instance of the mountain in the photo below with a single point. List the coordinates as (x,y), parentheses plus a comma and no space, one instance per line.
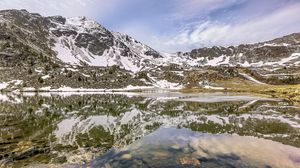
(77,41)
(45,45)
(283,51)
(64,53)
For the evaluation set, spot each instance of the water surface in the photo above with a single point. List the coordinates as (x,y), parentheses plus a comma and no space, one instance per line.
(108,129)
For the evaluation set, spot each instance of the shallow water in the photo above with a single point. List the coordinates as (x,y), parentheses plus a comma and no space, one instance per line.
(170,147)
(148,130)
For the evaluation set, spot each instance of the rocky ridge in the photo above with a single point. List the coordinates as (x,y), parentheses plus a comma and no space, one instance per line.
(57,52)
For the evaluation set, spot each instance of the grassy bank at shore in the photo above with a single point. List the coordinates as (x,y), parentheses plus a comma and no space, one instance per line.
(288,92)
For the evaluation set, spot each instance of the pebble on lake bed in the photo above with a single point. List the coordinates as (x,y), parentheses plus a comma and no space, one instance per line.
(126,156)
(186,160)
(176,147)
(24,146)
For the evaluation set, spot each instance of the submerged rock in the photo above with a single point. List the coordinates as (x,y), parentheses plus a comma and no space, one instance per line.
(188,160)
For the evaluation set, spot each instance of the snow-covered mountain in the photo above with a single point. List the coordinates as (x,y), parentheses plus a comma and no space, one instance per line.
(81,41)
(78,40)
(284,51)
(52,48)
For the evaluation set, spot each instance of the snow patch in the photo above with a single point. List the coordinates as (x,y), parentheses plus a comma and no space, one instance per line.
(218,61)
(45,77)
(85,75)
(3,85)
(4,98)
(64,53)
(84,25)
(252,79)
(38,70)
(286,61)
(274,45)
(213,87)
(28,89)
(164,84)
(70,89)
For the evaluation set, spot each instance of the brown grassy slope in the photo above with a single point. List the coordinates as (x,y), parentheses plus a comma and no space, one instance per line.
(237,85)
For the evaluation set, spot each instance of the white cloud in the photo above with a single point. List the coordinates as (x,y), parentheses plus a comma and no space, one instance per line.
(281,22)
(180,12)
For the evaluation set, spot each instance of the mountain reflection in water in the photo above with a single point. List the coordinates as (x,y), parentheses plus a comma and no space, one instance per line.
(71,129)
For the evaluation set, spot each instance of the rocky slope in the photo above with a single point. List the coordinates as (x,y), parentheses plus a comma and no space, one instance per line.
(77,41)
(283,51)
(55,52)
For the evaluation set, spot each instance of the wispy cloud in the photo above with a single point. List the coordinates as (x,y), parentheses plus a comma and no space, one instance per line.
(194,8)
(208,33)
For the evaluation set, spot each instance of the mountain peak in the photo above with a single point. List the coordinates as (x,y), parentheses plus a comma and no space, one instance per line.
(82,21)
(292,39)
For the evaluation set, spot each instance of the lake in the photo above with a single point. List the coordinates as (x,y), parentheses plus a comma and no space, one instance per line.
(163,129)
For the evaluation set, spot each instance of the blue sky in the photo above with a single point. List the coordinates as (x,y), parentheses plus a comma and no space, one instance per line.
(180,25)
